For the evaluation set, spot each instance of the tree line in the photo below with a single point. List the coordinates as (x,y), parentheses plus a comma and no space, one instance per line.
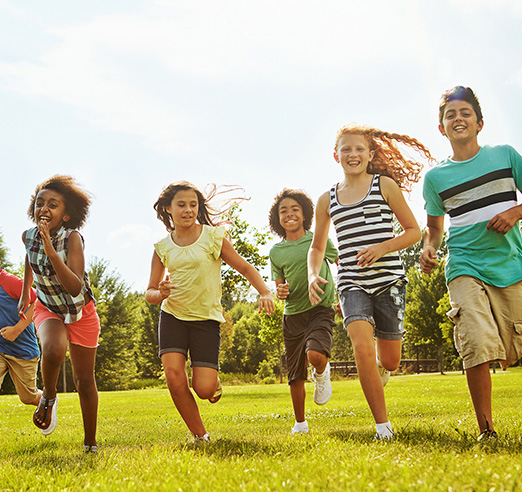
(251,343)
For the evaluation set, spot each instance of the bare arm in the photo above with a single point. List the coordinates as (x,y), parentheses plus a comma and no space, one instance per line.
(11,332)
(231,257)
(318,248)
(158,288)
(71,273)
(504,221)
(411,233)
(432,240)
(25,297)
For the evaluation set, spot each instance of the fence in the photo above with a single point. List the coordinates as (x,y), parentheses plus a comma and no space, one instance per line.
(347,368)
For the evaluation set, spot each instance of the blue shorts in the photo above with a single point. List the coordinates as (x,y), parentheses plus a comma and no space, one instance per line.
(201,338)
(384,311)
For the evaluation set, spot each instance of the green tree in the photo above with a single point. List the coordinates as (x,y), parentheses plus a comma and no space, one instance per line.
(115,360)
(342,349)
(272,333)
(146,341)
(4,255)
(247,241)
(422,321)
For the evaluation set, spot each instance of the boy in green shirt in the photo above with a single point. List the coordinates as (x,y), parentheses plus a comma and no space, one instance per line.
(307,329)
(477,187)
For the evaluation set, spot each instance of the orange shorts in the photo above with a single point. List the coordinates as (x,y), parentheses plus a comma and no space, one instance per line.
(84,332)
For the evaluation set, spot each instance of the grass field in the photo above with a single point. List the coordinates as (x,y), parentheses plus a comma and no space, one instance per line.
(145,446)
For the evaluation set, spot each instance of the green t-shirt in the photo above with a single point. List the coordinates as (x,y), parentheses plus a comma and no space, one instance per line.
(472,192)
(288,260)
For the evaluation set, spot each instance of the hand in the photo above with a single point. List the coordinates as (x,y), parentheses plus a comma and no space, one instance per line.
(165,287)
(9,333)
(314,289)
(428,259)
(504,221)
(43,228)
(368,256)
(282,291)
(266,303)
(22,307)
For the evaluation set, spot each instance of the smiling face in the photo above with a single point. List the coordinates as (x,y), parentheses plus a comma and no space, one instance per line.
(353,153)
(460,122)
(291,216)
(49,207)
(184,208)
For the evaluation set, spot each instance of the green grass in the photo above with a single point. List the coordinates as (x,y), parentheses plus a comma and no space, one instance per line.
(145,446)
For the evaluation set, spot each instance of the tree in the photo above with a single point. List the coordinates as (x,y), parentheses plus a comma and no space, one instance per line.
(4,255)
(422,321)
(272,332)
(117,309)
(246,240)
(148,363)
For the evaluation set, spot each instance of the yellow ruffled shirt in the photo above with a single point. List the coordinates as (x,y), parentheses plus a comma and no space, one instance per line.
(195,272)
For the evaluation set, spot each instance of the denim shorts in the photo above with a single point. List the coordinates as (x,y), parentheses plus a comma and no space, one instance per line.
(384,311)
(199,338)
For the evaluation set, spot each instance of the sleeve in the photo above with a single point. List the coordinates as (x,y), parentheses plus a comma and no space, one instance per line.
(432,202)
(13,285)
(331,252)
(276,270)
(161,250)
(217,234)
(516,166)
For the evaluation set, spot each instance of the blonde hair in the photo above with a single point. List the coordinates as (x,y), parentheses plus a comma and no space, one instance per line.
(388,159)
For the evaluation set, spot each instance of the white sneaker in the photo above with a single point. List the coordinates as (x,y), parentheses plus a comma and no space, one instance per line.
(300,428)
(384,373)
(205,438)
(323,385)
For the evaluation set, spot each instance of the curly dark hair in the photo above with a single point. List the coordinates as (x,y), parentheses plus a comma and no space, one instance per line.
(460,93)
(300,197)
(76,199)
(166,197)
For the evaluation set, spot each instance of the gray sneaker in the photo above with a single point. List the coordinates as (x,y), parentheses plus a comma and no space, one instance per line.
(323,385)
(300,428)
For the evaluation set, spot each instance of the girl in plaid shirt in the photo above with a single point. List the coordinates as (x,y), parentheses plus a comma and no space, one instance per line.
(65,312)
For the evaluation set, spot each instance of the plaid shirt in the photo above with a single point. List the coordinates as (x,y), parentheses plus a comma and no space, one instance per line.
(48,286)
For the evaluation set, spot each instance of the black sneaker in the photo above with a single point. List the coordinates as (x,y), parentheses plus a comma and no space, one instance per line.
(488,435)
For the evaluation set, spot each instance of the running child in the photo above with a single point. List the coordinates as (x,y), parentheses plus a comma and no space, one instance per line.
(190,294)
(19,351)
(307,329)
(371,278)
(65,312)
(477,187)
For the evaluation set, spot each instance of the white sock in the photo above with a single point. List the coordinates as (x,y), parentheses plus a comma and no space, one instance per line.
(300,425)
(384,429)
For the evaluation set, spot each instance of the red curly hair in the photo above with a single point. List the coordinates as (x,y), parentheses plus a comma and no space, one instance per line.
(388,159)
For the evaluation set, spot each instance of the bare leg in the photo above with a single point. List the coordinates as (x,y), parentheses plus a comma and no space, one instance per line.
(204,382)
(298,394)
(389,352)
(317,360)
(361,334)
(36,399)
(479,384)
(177,382)
(53,339)
(82,361)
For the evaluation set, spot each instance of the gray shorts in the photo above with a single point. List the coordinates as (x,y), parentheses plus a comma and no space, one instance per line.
(311,330)
(384,311)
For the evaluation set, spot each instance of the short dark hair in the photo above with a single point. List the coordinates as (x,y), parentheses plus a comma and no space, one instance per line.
(300,197)
(76,199)
(460,93)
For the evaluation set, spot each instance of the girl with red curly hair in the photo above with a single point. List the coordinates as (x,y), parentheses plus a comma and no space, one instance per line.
(371,279)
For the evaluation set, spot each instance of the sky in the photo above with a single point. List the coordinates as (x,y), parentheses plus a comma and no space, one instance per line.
(129,96)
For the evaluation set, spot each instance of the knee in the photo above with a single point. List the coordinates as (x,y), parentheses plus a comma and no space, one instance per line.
(204,389)
(317,359)
(176,378)
(364,349)
(389,362)
(85,384)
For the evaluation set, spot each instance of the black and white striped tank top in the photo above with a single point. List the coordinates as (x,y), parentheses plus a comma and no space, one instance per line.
(359,226)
